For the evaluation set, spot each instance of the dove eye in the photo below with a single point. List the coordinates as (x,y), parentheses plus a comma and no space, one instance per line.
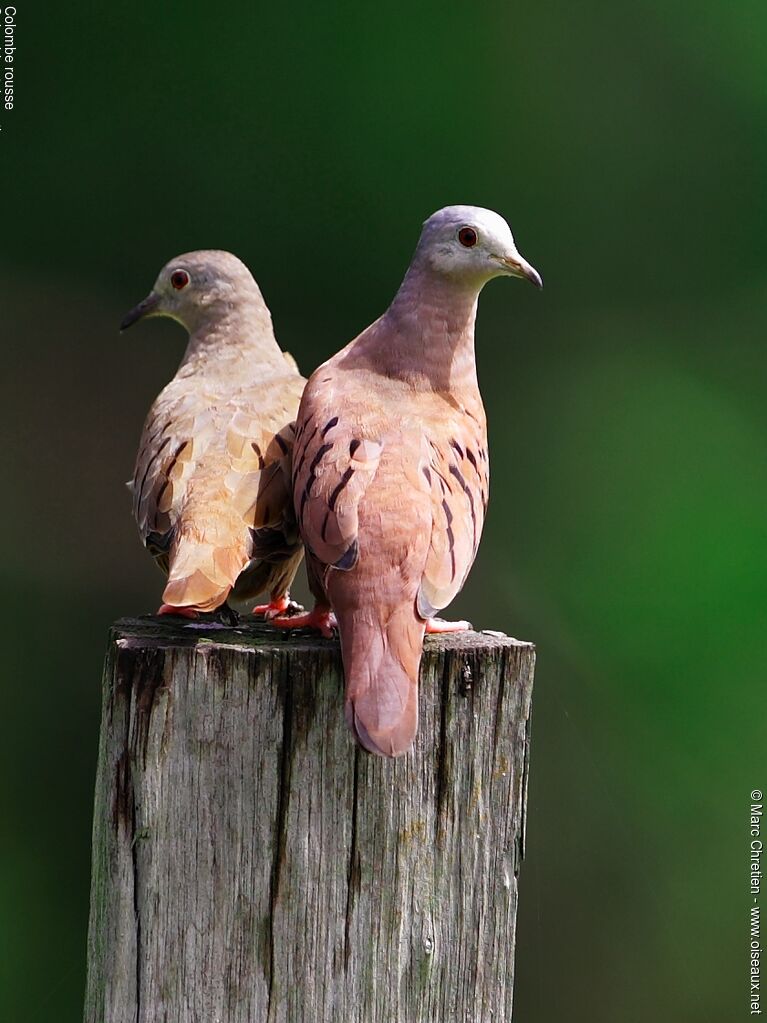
(179,279)
(467,236)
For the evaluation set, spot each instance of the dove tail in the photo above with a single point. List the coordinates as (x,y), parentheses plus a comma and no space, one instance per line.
(381,662)
(202,573)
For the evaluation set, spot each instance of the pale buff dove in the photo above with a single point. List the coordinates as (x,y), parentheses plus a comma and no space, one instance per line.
(211,487)
(390,471)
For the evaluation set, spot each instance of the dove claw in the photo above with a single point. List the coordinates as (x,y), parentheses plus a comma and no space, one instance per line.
(320,618)
(437,625)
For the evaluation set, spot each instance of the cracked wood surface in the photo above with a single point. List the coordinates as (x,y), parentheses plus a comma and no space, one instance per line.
(251,864)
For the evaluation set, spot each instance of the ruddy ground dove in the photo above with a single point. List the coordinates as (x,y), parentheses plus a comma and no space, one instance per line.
(391,472)
(211,487)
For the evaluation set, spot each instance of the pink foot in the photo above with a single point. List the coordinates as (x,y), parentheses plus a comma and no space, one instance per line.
(181,612)
(434,625)
(320,618)
(276,607)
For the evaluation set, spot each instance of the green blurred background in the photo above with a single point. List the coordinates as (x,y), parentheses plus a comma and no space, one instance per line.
(626,145)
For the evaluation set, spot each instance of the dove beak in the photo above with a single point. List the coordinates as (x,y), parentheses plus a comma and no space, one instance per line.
(146,308)
(516,266)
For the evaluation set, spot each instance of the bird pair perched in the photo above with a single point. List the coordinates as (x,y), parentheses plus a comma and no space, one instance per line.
(376,466)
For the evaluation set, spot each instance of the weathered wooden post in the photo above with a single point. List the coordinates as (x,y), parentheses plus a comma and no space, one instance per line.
(251,864)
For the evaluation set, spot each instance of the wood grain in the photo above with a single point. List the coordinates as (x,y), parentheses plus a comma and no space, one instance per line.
(250,863)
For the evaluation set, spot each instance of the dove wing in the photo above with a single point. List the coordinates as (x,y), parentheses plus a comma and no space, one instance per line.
(177,431)
(219,471)
(333,465)
(454,468)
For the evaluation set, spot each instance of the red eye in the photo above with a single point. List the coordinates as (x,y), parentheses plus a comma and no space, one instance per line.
(467,236)
(179,279)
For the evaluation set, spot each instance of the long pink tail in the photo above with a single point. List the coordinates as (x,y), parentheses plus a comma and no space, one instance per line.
(381,662)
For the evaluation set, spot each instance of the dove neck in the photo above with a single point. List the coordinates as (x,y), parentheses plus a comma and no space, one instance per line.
(233,333)
(431,324)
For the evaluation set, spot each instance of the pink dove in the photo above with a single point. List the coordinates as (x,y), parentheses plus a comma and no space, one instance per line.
(390,471)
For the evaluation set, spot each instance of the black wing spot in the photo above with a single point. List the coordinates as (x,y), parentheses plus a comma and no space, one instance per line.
(324,448)
(455,471)
(427,473)
(451,541)
(257,450)
(162,428)
(353,447)
(456,446)
(300,465)
(151,462)
(329,425)
(467,490)
(337,490)
(281,444)
(472,459)
(310,481)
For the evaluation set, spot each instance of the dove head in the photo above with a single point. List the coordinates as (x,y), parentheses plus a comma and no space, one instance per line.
(201,289)
(471,245)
